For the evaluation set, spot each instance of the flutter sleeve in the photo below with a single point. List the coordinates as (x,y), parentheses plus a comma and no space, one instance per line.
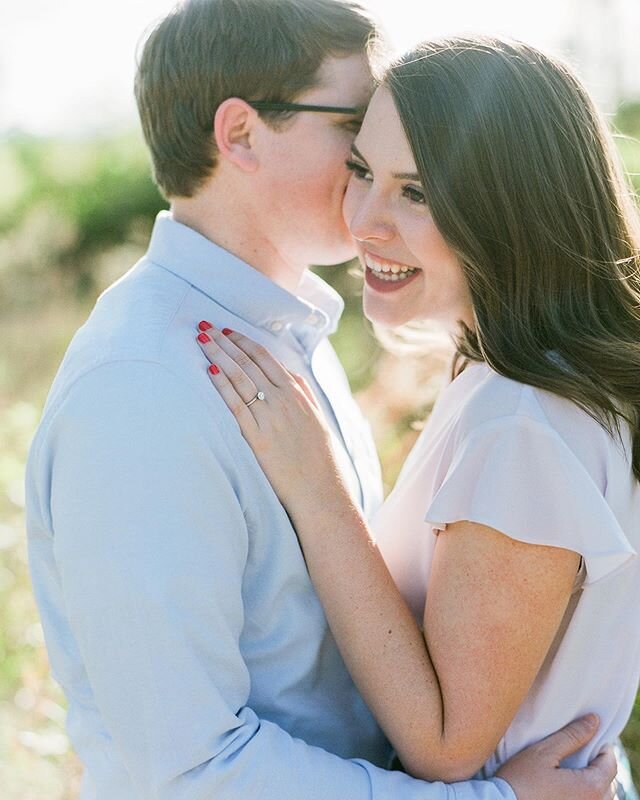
(518,476)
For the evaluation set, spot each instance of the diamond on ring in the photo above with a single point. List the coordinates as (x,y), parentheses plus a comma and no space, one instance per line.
(259,396)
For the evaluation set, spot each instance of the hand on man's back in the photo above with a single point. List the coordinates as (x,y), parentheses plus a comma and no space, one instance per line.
(535,773)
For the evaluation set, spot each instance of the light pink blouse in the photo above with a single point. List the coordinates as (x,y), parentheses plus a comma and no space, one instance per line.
(539,469)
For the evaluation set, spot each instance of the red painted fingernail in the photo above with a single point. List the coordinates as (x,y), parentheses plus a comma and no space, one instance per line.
(227,331)
(213,369)
(202,337)
(204,325)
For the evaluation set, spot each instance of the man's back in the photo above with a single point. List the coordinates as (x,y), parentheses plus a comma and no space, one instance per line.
(178,611)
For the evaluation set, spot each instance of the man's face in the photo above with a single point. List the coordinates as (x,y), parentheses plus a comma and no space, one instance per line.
(303,175)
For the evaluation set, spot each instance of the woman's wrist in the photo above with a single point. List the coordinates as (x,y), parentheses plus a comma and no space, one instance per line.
(325,509)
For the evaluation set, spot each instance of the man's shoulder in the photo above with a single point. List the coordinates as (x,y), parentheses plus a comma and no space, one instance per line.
(131,318)
(131,321)
(139,343)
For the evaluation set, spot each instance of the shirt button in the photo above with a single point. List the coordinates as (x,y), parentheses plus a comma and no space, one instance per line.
(276,326)
(313,319)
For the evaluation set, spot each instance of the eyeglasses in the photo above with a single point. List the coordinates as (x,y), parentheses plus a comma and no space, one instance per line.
(263,105)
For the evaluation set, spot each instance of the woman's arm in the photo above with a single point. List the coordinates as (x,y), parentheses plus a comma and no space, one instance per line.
(493,608)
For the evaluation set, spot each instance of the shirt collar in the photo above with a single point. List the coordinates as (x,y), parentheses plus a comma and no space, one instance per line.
(236,286)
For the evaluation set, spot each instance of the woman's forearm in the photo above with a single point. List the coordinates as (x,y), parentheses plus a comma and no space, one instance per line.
(378,637)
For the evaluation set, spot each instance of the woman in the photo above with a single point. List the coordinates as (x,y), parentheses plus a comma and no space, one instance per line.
(484,197)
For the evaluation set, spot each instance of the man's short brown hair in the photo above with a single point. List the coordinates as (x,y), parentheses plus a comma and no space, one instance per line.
(208,50)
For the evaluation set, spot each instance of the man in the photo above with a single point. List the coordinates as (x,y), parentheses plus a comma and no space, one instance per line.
(178,612)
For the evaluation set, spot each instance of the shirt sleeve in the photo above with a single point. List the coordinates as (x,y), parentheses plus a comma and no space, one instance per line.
(518,476)
(150,542)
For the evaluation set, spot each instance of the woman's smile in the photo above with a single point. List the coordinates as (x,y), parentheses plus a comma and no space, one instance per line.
(384,275)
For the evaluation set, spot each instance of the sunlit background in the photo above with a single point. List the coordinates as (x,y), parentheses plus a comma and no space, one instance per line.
(76,208)
(67,67)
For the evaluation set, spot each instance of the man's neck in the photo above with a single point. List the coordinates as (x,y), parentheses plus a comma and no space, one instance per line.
(223,226)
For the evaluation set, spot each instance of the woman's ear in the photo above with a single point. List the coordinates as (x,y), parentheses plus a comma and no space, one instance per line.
(232,128)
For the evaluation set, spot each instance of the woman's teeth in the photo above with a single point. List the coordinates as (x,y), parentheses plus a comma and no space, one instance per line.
(387,271)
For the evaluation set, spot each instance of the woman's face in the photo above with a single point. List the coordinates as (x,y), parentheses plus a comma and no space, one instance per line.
(411,274)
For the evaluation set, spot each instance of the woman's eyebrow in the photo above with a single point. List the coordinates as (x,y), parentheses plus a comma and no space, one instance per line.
(358,154)
(406,176)
(400,176)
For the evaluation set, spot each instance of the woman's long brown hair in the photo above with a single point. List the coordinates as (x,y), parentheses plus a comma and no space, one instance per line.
(523,181)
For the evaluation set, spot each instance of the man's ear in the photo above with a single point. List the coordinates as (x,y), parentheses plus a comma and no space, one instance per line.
(232,128)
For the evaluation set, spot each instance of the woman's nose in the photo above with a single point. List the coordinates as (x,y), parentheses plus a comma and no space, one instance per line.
(370,219)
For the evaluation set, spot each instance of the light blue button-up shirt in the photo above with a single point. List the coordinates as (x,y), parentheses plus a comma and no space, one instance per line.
(178,613)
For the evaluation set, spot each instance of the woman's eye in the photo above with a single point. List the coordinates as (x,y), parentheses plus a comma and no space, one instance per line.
(414,194)
(359,170)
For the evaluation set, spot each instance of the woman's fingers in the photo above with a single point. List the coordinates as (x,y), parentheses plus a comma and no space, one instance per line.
(234,401)
(241,347)
(222,340)
(243,383)
(302,383)
(245,376)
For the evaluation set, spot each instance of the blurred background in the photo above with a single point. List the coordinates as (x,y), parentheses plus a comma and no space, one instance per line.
(76,209)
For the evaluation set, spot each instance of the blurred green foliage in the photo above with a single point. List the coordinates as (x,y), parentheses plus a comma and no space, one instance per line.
(627,118)
(66,205)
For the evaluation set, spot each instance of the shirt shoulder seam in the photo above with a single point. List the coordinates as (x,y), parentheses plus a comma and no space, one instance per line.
(53,413)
